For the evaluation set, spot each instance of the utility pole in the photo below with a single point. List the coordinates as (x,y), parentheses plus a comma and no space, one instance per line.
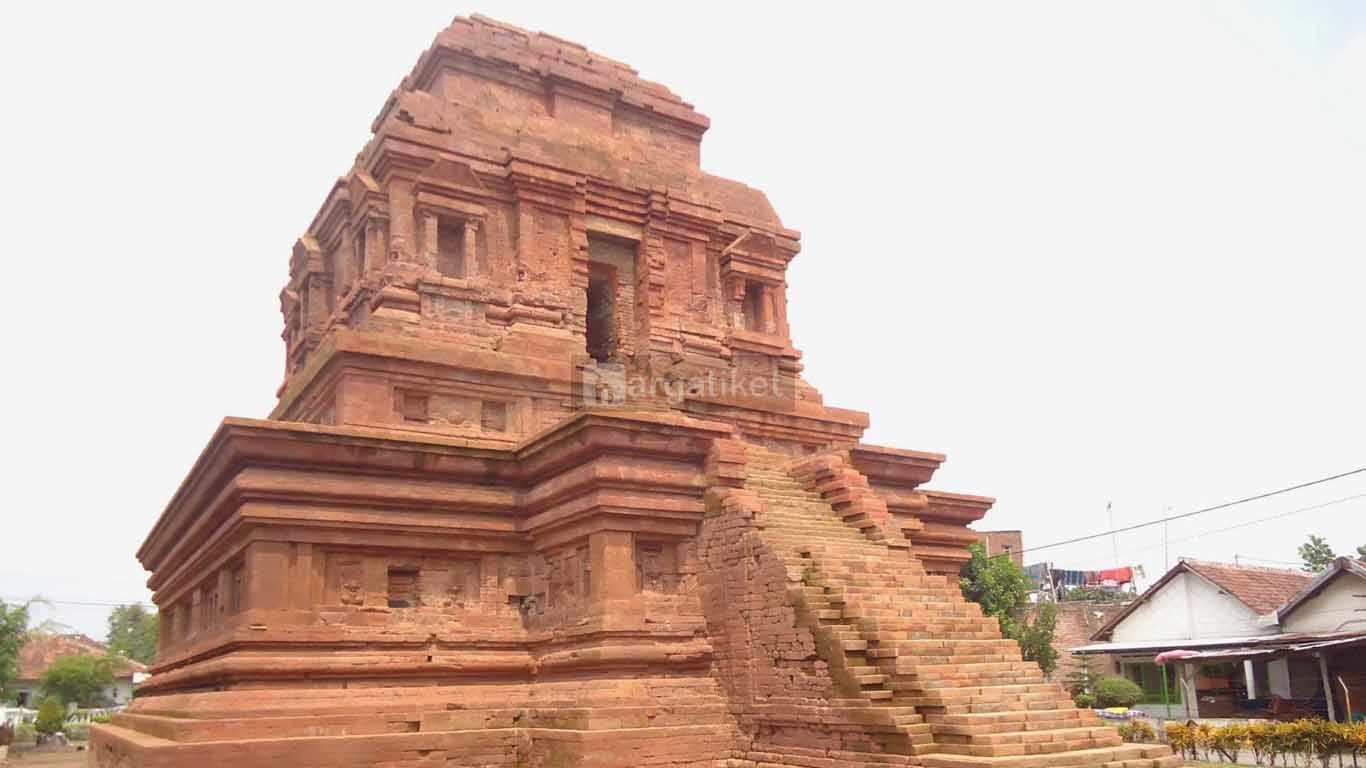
(1166,540)
(1114,537)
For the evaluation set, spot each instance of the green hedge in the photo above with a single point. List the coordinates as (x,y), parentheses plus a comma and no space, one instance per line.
(1270,743)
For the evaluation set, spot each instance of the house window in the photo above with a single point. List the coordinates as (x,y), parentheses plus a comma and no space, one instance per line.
(602,310)
(402,587)
(450,246)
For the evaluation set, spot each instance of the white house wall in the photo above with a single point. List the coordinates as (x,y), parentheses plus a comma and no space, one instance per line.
(1190,608)
(1339,607)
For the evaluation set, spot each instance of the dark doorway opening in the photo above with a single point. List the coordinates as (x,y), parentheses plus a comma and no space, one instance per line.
(602,310)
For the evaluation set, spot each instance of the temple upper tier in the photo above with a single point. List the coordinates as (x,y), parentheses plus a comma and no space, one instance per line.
(529,233)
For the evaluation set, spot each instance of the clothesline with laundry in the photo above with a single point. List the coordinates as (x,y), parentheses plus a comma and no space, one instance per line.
(1056,581)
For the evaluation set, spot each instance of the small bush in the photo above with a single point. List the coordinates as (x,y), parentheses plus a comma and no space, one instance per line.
(1228,741)
(25,734)
(77,731)
(1137,732)
(51,716)
(1117,692)
(1181,738)
(1084,700)
(101,719)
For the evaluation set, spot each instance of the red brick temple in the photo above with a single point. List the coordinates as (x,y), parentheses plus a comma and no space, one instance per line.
(545,487)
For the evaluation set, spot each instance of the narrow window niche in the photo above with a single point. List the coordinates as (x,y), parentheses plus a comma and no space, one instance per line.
(412,406)
(493,416)
(402,587)
(753,307)
(450,246)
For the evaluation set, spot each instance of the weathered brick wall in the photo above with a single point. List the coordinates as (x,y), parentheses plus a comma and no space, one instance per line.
(1077,622)
(780,688)
(1001,542)
(759,648)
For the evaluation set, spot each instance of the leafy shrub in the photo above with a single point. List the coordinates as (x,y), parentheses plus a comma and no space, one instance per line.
(1205,735)
(1305,742)
(1265,741)
(77,731)
(51,716)
(25,734)
(79,679)
(1229,741)
(1084,700)
(101,719)
(1181,738)
(1137,732)
(1118,692)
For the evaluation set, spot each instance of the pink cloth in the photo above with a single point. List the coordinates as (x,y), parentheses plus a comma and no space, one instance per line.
(1163,658)
(1120,575)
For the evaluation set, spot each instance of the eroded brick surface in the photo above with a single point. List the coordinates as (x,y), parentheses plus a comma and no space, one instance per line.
(545,488)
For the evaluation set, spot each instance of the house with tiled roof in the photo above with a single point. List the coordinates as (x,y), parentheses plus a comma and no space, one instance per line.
(1204,603)
(1335,601)
(41,650)
(1244,641)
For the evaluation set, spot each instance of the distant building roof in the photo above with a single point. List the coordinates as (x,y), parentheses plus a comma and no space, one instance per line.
(1261,589)
(42,649)
(1233,647)
(1340,566)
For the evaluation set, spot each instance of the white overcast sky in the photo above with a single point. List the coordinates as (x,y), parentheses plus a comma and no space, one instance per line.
(1092,251)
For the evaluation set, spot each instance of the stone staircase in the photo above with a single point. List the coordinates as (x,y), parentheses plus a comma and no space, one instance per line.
(909,642)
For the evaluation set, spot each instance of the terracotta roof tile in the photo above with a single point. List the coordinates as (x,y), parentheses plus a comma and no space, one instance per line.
(40,650)
(1261,589)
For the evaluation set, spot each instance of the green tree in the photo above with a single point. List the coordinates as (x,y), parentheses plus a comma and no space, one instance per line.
(998,585)
(1002,589)
(1316,554)
(79,680)
(1036,639)
(133,632)
(51,716)
(1083,677)
(13,633)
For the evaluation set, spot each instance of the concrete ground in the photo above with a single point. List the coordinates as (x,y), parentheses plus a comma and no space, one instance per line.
(47,760)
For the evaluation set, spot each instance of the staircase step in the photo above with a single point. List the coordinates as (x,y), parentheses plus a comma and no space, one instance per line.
(928,662)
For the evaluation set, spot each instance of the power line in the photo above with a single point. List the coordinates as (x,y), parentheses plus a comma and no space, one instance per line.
(1201,511)
(1250,523)
(1265,560)
(1126,529)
